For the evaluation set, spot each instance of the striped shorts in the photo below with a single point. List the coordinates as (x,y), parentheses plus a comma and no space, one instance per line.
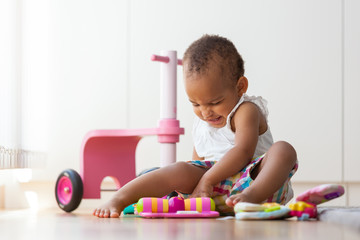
(238,182)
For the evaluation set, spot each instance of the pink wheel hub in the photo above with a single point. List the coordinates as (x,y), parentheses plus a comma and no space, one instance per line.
(64,190)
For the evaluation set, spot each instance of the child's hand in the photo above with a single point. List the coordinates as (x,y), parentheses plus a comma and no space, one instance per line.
(203,189)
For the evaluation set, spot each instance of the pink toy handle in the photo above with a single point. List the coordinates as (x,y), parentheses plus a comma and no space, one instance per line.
(169,127)
(163,59)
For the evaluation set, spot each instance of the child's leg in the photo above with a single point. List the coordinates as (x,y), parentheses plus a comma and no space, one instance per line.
(269,175)
(180,176)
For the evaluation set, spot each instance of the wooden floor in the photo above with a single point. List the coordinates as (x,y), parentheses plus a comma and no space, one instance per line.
(55,224)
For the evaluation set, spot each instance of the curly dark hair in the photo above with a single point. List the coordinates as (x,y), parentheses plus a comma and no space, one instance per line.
(208,48)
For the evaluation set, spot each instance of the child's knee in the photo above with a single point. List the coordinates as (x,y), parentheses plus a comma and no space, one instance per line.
(179,169)
(180,166)
(285,151)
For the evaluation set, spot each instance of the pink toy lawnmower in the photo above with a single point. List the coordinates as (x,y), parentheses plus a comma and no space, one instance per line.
(111,153)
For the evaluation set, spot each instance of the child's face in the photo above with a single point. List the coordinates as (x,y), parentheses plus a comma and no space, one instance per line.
(212,97)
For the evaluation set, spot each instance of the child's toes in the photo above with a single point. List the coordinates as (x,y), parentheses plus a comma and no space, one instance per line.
(96,212)
(106,213)
(103,214)
(230,201)
(114,214)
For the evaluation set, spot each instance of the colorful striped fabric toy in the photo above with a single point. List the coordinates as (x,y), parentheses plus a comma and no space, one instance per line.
(176,207)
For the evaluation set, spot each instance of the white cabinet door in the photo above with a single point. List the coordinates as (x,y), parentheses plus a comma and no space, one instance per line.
(352,91)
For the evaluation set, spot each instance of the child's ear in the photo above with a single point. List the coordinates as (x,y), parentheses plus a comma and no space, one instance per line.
(242,85)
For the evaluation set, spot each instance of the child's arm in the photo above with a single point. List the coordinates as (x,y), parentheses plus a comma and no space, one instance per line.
(245,122)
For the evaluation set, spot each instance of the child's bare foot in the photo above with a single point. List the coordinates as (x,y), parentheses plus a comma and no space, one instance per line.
(111,209)
(240,197)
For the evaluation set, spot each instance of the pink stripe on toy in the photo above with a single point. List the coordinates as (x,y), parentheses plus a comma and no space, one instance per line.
(206,204)
(191,204)
(160,205)
(147,205)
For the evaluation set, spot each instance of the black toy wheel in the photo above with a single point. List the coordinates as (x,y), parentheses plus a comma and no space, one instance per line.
(69,190)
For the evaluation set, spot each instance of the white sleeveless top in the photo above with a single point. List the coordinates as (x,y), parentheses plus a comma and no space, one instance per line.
(213,143)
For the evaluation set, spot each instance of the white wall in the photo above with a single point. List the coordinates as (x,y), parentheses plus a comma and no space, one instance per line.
(88,76)
(100,75)
(290,60)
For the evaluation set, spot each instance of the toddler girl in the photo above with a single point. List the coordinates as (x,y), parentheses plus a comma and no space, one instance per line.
(234,157)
